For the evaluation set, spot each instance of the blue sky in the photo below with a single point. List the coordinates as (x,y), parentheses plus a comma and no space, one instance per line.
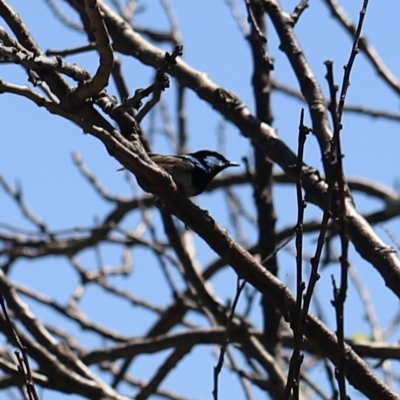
(37,147)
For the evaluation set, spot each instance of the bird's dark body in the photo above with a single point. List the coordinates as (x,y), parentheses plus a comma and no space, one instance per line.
(193,172)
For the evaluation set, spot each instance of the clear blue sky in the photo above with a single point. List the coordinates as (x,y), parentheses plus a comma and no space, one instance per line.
(36,153)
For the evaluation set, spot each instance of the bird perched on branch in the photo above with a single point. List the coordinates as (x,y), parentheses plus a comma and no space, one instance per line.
(194,171)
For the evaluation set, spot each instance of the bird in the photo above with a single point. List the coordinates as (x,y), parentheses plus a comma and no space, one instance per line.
(194,171)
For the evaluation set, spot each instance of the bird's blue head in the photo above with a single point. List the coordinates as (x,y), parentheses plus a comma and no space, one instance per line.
(211,161)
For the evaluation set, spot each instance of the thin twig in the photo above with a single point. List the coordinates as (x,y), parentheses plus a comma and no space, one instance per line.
(296,360)
(240,284)
(23,361)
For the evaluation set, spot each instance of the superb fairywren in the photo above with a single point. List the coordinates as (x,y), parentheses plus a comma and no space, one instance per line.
(194,171)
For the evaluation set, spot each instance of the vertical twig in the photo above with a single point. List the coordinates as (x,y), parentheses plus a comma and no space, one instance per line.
(297,359)
(22,355)
(217,369)
(343,193)
(339,294)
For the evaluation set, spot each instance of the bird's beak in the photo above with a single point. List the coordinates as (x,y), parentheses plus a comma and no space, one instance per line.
(233,164)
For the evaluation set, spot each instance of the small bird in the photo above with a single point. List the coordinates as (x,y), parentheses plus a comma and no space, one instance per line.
(194,171)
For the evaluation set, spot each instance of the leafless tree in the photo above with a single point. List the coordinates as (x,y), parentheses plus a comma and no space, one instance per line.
(277,358)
